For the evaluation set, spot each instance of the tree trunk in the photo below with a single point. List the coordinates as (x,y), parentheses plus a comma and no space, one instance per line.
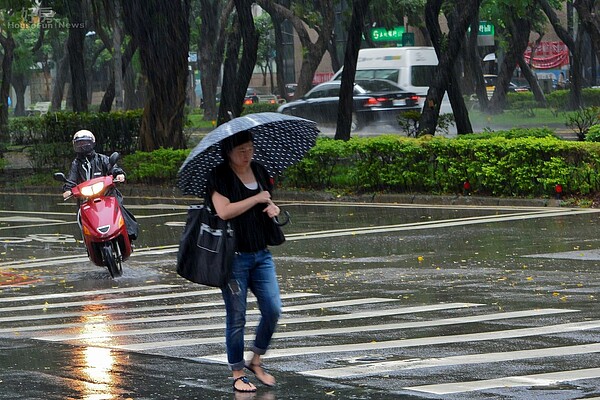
(238,74)
(447,51)
(461,114)
(518,30)
(132,100)
(211,46)
(312,52)
(8,45)
(332,50)
(75,46)
(534,84)
(281,79)
(111,93)
(589,14)
(230,104)
(345,105)
(161,32)
(19,83)
(118,68)
(575,100)
(472,59)
(62,74)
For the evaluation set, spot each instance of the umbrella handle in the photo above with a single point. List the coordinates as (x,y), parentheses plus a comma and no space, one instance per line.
(287,219)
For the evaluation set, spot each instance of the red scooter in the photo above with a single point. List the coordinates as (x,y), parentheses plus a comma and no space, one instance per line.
(101,221)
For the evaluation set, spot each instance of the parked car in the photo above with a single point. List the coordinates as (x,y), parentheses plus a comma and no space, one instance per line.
(490,85)
(254,95)
(289,91)
(375,101)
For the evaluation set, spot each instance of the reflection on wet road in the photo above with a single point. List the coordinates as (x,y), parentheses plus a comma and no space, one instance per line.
(397,300)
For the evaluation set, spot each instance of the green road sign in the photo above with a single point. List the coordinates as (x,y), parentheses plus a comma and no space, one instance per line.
(387,35)
(486,29)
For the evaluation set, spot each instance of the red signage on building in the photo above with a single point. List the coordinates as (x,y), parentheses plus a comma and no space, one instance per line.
(548,55)
(321,77)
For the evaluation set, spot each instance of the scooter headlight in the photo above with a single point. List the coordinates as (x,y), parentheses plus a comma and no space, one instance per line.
(91,190)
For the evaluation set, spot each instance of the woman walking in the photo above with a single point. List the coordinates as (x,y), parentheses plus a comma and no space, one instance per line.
(239,190)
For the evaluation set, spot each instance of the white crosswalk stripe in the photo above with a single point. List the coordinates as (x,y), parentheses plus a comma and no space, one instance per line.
(151,318)
(546,379)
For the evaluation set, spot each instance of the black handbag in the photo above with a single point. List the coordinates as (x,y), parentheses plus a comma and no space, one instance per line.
(275,235)
(206,248)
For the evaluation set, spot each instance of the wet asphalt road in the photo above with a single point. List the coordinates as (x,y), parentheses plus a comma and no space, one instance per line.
(381,301)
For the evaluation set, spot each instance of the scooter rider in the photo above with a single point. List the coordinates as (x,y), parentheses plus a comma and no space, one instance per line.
(89,165)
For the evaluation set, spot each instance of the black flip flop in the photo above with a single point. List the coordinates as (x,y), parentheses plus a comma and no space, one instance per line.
(246,381)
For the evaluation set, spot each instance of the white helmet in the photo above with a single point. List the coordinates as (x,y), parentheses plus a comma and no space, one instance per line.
(83,142)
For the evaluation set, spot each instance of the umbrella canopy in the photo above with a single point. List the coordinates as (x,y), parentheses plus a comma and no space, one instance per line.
(279,141)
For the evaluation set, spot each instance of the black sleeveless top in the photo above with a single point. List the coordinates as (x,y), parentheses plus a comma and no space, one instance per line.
(249,227)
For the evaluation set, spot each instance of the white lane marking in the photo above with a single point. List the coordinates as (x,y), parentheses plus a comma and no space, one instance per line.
(283,321)
(435,224)
(137,310)
(40,225)
(60,222)
(426,341)
(160,250)
(23,218)
(62,260)
(120,300)
(86,293)
(159,206)
(545,379)
(315,332)
(468,359)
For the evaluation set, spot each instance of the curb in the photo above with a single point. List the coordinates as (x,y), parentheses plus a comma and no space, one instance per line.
(173,193)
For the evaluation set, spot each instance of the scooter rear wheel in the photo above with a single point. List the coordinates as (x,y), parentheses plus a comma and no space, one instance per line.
(112,258)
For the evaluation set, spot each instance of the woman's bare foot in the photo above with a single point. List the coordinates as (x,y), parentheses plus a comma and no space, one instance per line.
(263,376)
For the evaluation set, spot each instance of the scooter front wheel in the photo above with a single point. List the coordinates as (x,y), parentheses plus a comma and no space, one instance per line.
(112,258)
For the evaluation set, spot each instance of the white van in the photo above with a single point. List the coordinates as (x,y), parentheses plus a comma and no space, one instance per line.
(412,68)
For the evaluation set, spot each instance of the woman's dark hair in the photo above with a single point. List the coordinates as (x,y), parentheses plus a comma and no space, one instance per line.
(233,141)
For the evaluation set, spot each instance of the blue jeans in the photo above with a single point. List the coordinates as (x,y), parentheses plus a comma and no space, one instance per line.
(254,271)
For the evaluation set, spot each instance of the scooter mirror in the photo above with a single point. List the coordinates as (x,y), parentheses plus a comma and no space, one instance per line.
(59,176)
(114,157)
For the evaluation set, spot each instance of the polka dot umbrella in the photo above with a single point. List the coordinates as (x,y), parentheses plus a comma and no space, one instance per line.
(279,141)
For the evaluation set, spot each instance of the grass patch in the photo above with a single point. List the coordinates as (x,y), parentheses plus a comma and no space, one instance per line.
(196,121)
(508,119)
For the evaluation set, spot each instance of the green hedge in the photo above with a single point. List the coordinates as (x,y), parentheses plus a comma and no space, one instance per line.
(511,134)
(259,107)
(499,166)
(48,137)
(593,134)
(558,99)
(114,131)
(526,167)
(153,167)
